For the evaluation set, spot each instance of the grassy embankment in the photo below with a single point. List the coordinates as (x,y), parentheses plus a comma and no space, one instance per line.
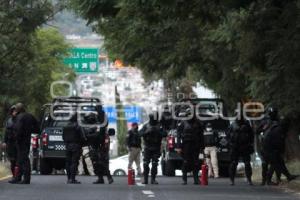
(4,171)
(293,167)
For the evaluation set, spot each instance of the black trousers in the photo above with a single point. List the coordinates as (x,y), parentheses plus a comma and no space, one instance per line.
(73,152)
(266,164)
(277,164)
(151,156)
(23,161)
(190,155)
(11,151)
(100,160)
(235,157)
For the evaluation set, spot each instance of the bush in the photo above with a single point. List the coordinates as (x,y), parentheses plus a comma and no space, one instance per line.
(3,170)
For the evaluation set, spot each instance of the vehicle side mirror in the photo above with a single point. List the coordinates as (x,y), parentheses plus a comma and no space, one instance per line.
(111,132)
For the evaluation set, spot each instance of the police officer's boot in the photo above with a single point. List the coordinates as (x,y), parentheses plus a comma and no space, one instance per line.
(109,178)
(264,181)
(292,177)
(264,173)
(15,180)
(232,171)
(100,180)
(248,170)
(232,181)
(249,181)
(269,179)
(153,181)
(146,173)
(17,177)
(145,179)
(184,177)
(196,177)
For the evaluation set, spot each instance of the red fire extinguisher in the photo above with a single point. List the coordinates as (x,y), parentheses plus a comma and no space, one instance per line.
(131,177)
(204,174)
(16,171)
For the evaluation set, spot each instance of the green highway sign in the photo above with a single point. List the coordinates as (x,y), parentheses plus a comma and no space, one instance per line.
(83,60)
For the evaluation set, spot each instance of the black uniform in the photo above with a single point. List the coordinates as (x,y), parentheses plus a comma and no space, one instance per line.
(190,137)
(262,132)
(210,138)
(72,138)
(152,135)
(274,146)
(25,125)
(241,146)
(99,154)
(167,121)
(133,139)
(11,142)
(99,146)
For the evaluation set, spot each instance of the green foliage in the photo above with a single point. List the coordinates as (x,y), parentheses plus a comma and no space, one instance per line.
(30,58)
(240,49)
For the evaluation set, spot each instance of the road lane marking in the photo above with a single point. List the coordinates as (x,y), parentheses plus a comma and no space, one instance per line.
(148,192)
(140,184)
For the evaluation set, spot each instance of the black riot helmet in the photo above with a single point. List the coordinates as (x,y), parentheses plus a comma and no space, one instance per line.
(20,107)
(90,118)
(12,109)
(73,119)
(272,112)
(153,118)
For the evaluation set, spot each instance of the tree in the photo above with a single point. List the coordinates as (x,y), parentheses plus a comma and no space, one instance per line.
(32,86)
(19,21)
(241,49)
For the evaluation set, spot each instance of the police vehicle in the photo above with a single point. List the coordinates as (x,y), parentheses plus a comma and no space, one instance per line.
(211,111)
(56,117)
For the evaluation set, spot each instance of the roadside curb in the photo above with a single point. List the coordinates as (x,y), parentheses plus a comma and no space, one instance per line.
(5,177)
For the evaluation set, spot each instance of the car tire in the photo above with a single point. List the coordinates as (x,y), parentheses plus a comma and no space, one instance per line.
(119,172)
(45,167)
(169,168)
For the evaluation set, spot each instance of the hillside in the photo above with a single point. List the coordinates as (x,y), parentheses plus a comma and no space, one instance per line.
(70,24)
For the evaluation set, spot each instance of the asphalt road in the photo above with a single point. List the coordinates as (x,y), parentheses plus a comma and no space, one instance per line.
(55,188)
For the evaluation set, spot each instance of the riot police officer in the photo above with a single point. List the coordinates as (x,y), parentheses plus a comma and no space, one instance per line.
(274,146)
(166,121)
(104,158)
(10,140)
(190,144)
(98,143)
(241,140)
(263,129)
(72,138)
(25,125)
(152,135)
